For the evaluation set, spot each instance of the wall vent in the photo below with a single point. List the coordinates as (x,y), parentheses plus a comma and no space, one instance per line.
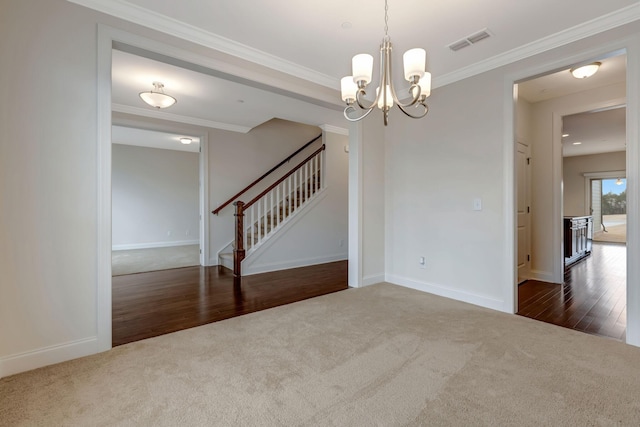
(469,40)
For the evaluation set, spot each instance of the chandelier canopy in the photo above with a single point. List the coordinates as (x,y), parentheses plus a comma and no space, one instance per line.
(354,87)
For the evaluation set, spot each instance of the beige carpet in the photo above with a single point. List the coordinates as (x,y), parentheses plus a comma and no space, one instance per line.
(378,356)
(153,259)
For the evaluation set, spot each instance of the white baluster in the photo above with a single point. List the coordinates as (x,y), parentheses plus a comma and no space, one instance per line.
(253,214)
(295,189)
(265,219)
(320,169)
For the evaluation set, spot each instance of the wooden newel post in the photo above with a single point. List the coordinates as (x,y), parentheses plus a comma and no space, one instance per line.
(238,252)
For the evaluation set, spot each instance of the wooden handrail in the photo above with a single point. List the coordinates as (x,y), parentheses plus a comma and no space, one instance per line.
(215,212)
(275,184)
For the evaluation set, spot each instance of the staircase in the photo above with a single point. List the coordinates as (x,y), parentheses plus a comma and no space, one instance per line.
(261,218)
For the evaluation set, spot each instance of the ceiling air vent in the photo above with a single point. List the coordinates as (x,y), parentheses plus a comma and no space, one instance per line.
(469,40)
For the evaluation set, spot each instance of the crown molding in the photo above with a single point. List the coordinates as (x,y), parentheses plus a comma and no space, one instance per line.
(334,129)
(598,25)
(155,114)
(147,18)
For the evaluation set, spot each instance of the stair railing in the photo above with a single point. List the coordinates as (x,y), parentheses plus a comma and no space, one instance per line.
(269,209)
(248,187)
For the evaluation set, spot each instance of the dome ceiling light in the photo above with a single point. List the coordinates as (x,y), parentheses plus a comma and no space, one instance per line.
(157,98)
(586,70)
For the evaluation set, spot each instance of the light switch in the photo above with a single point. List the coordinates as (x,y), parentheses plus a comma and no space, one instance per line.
(477,204)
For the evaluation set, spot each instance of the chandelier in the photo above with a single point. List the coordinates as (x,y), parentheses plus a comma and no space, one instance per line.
(156,97)
(354,87)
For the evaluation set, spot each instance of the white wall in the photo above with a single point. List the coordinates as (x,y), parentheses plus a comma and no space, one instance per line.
(48,219)
(573,181)
(316,235)
(155,200)
(437,166)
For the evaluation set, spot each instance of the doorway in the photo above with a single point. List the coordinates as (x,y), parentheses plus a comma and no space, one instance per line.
(155,200)
(574,152)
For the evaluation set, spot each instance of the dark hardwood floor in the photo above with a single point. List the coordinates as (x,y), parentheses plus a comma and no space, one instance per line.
(593,298)
(156,303)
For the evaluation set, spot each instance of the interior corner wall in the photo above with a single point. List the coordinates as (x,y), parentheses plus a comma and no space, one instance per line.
(573,180)
(316,235)
(155,198)
(373,199)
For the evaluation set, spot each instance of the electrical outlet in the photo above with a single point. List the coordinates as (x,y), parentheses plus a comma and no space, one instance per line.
(187,233)
(477,204)
(169,233)
(341,243)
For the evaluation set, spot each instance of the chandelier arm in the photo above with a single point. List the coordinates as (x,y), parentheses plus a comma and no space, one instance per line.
(352,108)
(419,116)
(415,99)
(359,98)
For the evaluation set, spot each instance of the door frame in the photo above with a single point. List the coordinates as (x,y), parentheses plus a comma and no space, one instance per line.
(527,175)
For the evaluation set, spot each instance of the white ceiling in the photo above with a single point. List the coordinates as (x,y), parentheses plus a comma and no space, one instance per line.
(613,70)
(315,40)
(598,132)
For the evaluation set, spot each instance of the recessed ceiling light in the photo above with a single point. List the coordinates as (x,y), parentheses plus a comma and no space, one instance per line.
(346,25)
(564,135)
(577,143)
(186,141)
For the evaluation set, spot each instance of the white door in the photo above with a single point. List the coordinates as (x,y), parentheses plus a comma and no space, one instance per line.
(523,204)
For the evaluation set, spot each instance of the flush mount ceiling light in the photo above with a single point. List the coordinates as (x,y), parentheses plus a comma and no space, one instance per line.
(157,98)
(186,141)
(353,87)
(586,70)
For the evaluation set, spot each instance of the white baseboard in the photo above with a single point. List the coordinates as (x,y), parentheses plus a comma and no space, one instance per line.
(303,262)
(154,245)
(443,291)
(373,279)
(542,276)
(22,362)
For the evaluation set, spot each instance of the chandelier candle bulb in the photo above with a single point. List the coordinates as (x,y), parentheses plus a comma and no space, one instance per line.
(414,63)
(381,98)
(362,67)
(349,89)
(425,86)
